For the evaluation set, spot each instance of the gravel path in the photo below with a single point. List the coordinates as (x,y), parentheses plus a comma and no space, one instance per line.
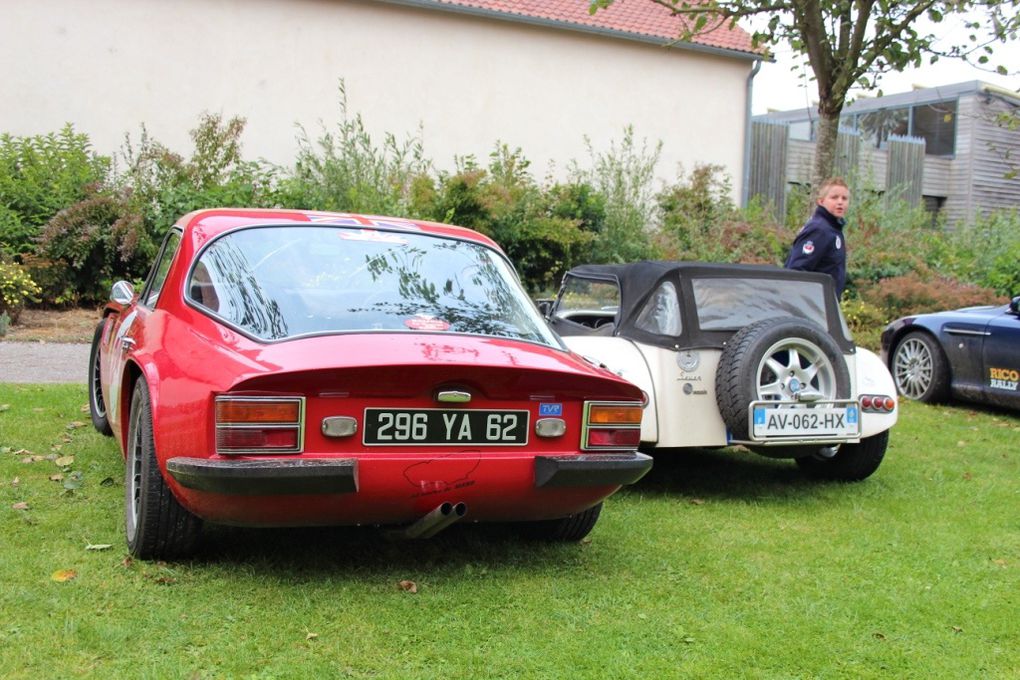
(43,362)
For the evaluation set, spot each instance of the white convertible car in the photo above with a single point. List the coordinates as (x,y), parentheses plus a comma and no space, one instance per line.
(735,354)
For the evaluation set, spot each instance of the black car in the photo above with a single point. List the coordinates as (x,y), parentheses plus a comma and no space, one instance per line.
(970,354)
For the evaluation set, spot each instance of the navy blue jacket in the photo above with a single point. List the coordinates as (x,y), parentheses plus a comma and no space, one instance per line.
(820,247)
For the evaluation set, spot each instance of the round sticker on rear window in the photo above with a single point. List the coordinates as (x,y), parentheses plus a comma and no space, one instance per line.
(424,322)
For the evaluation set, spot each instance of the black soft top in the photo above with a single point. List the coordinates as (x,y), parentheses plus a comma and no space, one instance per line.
(754,287)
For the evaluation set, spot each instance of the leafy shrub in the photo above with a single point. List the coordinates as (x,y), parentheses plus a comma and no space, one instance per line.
(986,252)
(16,289)
(694,212)
(86,246)
(866,321)
(543,231)
(41,175)
(624,176)
(345,170)
(161,185)
(911,294)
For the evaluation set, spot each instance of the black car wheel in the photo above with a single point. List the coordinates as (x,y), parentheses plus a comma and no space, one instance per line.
(847,462)
(920,369)
(97,405)
(570,528)
(782,359)
(157,526)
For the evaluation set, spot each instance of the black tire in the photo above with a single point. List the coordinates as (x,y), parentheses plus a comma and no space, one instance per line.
(850,463)
(920,369)
(744,375)
(570,528)
(97,405)
(156,525)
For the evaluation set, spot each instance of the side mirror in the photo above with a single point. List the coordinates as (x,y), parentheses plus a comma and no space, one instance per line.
(545,306)
(1014,305)
(123,293)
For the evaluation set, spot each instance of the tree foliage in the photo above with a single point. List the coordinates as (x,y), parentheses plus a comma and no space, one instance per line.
(852,43)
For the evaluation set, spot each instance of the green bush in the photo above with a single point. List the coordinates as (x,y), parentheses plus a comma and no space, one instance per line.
(624,176)
(866,321)
(345,170)
(161,185)
(87,246)
(16,289)
(543,231)
(41,175)
(986,252)
(695,211)
(912,294)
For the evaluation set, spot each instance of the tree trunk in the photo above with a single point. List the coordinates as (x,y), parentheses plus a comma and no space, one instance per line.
(825,145)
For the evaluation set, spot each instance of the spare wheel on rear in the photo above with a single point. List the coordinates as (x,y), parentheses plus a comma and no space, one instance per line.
(779,359)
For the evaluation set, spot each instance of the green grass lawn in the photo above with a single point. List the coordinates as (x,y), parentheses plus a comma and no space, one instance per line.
(717,565)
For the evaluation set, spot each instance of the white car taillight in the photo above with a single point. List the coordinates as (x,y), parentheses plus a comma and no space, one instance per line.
(259,425)
(611,425)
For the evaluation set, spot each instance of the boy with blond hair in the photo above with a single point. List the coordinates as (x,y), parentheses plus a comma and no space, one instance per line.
(820,245)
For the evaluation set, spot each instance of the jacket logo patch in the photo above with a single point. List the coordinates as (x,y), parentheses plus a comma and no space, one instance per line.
(808,247)
(839,243)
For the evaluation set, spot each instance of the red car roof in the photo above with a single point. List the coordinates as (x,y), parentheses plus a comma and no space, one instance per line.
(202,225)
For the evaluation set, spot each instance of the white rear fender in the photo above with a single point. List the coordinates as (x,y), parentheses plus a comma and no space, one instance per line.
(872,377)
(620,356)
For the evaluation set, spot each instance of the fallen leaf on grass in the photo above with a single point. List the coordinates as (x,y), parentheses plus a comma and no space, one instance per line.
(75,424)
(127,562)
(107,481)
(16,481)
(1000,562)
(98,546)
(38,410)
(57,477)
(697,501)
(878,636)
(408,586)
(32,459)
(311,636)
(83,409)
(957,629)
(73,481)
(64,461)
(968,476)
(961,443)
(5,407)
(64,575)
(22,505)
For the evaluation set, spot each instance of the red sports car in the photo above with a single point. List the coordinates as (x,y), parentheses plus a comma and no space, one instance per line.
(290,368)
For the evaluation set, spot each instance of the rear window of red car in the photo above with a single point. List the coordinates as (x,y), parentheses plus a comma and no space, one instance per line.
(279,282)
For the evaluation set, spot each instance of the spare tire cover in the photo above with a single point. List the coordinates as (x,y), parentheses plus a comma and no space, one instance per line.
(773,360)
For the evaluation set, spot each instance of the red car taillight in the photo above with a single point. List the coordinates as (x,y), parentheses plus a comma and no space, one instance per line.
(259,424)
(611,425)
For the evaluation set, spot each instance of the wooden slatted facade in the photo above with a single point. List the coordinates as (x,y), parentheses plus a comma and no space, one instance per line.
(972,179)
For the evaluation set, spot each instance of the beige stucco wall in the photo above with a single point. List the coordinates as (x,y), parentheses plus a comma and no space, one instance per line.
(108,66)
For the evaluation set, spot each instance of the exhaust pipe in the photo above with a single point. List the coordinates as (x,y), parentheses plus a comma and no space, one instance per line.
(435,521)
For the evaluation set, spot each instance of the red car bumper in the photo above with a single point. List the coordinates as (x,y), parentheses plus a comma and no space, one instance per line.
(397,489)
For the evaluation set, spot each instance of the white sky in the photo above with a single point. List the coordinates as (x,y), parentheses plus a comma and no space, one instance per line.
(777,87)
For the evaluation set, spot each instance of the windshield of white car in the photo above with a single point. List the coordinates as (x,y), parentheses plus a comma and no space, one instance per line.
(280,282)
